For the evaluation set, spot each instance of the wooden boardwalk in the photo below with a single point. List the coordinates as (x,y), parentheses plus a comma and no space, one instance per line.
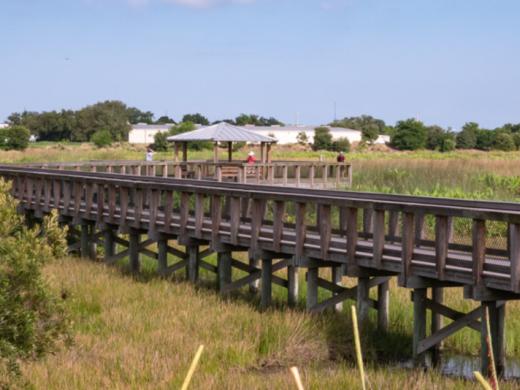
(370,237)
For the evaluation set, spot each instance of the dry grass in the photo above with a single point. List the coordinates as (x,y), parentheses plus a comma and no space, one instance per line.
(131,334)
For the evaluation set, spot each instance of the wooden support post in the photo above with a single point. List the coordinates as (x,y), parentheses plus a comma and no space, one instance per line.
(184,151)
(255,284)
(85,239)
(292,285)
(437,297)
(193,262)
(383,305)
(496,322)
(162,258)
(266,289)
(419,325)
(133,249)
(312,287)
(108,242)
(363,289)
(337,276)
(224,269)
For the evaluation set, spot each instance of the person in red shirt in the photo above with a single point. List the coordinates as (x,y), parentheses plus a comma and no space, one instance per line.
(340,158)
(251,158)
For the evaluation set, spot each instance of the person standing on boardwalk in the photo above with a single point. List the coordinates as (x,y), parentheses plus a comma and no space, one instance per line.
(341,157)
(149,154)
(251,158)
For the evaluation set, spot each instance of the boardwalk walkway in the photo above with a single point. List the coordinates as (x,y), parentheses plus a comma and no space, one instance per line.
(427,243)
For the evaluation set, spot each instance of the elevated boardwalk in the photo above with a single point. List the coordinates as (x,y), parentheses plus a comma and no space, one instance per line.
(426,243)
(302,174)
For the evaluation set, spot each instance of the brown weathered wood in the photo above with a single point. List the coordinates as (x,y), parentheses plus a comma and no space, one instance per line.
(479,249)
(441,244)
(278,221)
(407,244)
(514,256)
(300,230)
(325,228)
(216,217)
(199,214)
(184,212)
(352,238)
(234,219)
(378,223)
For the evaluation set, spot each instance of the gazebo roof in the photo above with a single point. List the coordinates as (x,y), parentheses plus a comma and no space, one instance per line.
(221,132)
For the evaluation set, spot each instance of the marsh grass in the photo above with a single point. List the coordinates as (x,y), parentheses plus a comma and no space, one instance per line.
(132,334)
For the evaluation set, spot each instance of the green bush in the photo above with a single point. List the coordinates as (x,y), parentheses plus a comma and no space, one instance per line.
(409,134)
(160,142)
(322,139)
(467,138)
(32,319)
(448,143)
(14,137)
(341,145)
(504,141)
(102,138)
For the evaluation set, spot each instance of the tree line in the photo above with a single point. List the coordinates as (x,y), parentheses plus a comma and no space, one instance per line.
(412,134)
(111,117)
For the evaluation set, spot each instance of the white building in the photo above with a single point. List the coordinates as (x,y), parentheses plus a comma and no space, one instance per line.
(289,134)
(144,134)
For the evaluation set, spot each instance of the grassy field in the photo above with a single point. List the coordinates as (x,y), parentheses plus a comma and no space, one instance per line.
(143,333)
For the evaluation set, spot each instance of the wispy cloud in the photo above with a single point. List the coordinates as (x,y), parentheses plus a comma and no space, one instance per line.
(190,3)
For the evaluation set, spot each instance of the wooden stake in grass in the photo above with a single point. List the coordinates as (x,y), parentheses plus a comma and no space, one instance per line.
(358,347)
(296,376)
(489,343)
(192,368)
(482,381)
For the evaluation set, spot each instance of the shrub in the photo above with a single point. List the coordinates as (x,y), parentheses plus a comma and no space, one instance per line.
(409,134)
(322,139)
(32,318)
(467,138)
(504,141)
(485,139)
(448,143)
(160,142)
(516,139)
(341,145)
(14,137)
(102,138)
(302,138)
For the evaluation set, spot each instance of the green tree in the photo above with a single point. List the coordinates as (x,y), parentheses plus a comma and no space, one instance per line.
(102,138)
(434,137)
(160,143)
(111,116)
(485,139)
(14,137)
(165,120)
(341,145)
(369,126)
(322,139)
(302,138)
(196,118)
(409,134)
(504,141)
(448,143)
(467,137)
(516,139)
(135,116)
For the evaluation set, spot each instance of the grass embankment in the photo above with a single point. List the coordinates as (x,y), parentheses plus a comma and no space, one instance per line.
(144,335)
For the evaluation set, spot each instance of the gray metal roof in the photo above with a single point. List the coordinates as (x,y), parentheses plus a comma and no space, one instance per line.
(221,132)
(144,126)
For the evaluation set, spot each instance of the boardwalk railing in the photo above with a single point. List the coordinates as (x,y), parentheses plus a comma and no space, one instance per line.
(424,242)
(309,174)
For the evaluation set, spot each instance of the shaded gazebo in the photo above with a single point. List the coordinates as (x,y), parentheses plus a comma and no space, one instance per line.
(222,133)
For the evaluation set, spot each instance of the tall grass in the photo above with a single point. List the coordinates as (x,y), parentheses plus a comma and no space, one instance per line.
(142,335)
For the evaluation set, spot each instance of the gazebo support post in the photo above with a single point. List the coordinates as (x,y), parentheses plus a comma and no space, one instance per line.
(176,151)
(262,152)
(230,151)
(268,153)
(184,151)
(215,152)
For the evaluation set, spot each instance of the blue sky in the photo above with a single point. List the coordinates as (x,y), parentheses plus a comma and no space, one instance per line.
(443,61)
